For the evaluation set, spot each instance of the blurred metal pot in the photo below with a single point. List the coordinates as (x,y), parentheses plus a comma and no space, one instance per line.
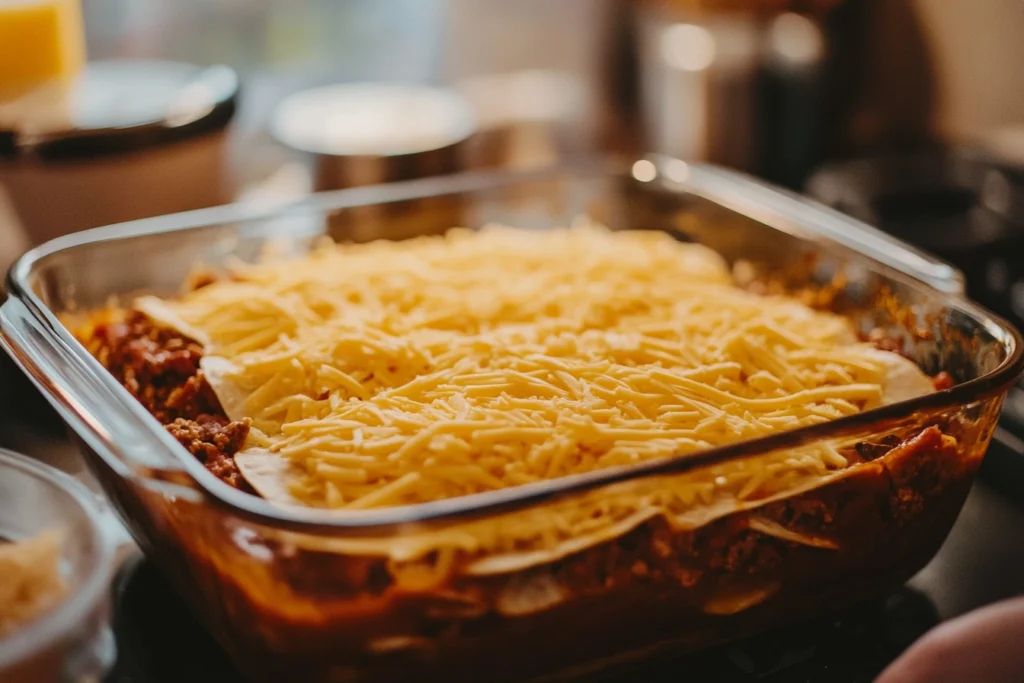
(738,87)
(372,133)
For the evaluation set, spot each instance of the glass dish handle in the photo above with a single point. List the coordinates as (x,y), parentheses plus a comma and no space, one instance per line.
(798,215)
(76,393)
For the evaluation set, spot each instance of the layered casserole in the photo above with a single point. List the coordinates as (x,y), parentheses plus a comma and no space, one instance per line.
(609,560)
(390,374)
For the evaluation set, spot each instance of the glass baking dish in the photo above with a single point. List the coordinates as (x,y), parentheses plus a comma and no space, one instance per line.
(311,595)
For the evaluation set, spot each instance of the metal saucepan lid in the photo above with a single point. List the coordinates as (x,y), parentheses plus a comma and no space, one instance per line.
(119,106)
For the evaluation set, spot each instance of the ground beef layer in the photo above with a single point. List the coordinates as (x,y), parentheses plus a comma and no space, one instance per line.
(160,368)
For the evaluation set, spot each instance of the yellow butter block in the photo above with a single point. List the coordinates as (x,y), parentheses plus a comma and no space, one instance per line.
(41,41)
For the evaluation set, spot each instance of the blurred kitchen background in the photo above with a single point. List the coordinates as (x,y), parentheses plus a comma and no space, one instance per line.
(928,94)
(906,113)
(774,87)
(727,80)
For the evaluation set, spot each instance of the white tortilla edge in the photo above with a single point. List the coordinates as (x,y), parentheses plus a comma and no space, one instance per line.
(904,380)
(159,311)
(218,371)
(268,473)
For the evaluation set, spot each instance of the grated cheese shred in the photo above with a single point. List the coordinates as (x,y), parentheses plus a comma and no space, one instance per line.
(395,373)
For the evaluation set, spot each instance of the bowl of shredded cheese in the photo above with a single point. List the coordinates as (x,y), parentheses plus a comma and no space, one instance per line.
(55,565)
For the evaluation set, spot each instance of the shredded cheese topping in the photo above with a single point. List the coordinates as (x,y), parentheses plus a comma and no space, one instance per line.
(397,373)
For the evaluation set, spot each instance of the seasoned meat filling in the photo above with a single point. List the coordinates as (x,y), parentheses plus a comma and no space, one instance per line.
(161,369)
(213,440)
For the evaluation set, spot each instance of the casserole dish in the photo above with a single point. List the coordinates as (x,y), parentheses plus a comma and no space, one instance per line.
(304,594)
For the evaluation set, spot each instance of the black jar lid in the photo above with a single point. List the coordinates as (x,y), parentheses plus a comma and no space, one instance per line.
(115,107)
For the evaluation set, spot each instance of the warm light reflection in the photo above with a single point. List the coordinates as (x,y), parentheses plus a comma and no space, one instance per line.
(796,40)
(687,47)
(677,171)
(644,171)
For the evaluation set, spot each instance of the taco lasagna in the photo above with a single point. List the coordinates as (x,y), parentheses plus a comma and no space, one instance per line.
(398,373)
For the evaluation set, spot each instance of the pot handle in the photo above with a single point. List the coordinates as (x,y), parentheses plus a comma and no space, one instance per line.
(94,405)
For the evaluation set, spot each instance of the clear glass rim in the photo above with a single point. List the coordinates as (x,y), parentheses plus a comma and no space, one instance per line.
(214,492)
(61,622)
